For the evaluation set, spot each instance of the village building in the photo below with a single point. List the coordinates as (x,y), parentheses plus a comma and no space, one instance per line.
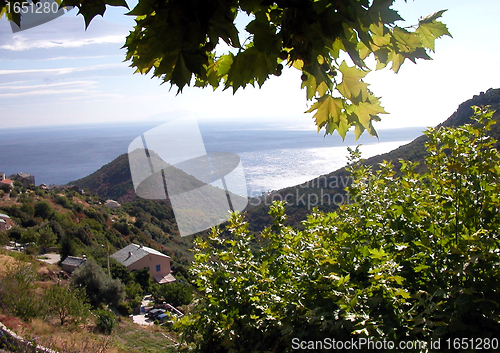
(5,181)
(75,188)
(112,204)
(24,178)
(5,222)
(71,263)
(136,257)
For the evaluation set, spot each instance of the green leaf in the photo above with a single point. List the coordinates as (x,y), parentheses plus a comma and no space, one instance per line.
(402,293)
(432,17)
(405,41)
(327,108)
(430,31)
(352,85)
(364,111)
(179,39)
(377,253)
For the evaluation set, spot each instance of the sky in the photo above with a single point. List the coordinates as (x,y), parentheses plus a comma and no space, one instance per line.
(58,73)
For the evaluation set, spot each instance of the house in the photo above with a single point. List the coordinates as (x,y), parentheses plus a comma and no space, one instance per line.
(24,178)
(136,257)
(75,188)
(8,182)
(3,226)
(5,181)
(112,204)
(5,222)
(71,263)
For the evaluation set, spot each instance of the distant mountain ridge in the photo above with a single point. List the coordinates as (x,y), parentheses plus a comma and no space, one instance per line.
(114,180)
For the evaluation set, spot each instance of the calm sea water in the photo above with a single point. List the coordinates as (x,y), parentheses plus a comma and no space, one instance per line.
(274,154)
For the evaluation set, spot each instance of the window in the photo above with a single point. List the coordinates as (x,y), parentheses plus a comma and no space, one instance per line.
(158,268)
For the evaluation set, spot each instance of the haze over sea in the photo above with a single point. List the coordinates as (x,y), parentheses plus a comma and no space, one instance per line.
(274,153)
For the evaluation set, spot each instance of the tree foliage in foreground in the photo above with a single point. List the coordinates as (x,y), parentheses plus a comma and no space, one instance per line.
(415,257)
(180,42)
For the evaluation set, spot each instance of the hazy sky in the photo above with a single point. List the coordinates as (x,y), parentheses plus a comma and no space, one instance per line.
(58,73)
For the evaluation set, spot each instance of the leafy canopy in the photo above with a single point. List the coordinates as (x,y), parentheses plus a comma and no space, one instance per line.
(415,257)
(180,42)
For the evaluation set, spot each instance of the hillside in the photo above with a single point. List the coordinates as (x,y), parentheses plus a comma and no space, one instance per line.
(112,181)
(326,192)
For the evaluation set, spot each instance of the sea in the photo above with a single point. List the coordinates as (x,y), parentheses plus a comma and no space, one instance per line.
(275,153)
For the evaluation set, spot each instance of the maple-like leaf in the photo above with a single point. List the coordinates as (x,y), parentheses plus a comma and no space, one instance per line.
(430,31)
(365,111)
(327,108)
(180,39)
(406,42)
(352,85)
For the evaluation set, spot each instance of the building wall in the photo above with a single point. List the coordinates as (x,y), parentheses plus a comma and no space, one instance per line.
(8,223)
(68,268)
(152,261)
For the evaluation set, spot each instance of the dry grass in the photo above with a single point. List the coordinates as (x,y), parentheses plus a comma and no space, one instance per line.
(148,339)
(6,262)
(67,339)
(127,338)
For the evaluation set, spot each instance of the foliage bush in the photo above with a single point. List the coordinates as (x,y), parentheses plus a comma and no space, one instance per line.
(416,256)
(124,309)
(143,277)
(4,238)
(175,293)
(63,201)
(105,321)
(99,287)
(46,237)
(43,210)
(18,292)
(66,303)
(67,247)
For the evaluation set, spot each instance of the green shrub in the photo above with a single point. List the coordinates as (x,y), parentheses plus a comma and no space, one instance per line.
(105,321)
(63,201)
(18,292)
(43,209)
(100,288)
(124,309)
(414,257)
(67,303)
(175,293)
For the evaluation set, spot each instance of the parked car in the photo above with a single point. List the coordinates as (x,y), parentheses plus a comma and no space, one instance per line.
(153,314)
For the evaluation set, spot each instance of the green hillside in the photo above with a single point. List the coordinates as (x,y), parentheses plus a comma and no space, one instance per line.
(329,188)
(326,192)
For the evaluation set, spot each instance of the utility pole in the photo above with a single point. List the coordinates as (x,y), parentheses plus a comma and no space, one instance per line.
(107,258)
